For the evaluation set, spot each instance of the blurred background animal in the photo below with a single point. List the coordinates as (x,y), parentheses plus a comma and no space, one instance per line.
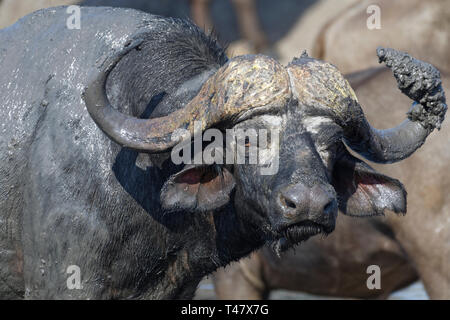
(244,25)
(248,20)
(419,27)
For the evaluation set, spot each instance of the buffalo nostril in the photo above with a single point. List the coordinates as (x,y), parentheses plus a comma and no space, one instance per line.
(289,203)
(329,207)
(293,200)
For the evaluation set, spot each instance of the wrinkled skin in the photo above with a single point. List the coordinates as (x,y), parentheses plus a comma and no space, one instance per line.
(137,225)
(403,248)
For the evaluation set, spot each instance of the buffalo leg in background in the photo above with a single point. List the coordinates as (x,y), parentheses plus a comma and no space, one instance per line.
(247,16)
(249,24)
(200,14)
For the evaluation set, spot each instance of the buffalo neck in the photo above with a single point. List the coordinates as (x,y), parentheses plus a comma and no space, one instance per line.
(210,240)
(189,245)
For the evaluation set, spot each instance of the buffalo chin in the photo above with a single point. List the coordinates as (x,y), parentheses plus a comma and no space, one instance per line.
(299,232)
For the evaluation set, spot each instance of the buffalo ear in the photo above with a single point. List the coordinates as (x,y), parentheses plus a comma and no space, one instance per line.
(362,191)
(197,188)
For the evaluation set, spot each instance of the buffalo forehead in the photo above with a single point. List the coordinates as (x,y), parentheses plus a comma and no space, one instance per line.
(251,82)
(320,84)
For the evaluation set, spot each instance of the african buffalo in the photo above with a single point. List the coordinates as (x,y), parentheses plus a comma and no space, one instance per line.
(88,122)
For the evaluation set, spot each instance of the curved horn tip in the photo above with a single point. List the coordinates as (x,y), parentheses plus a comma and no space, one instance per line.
(381,53)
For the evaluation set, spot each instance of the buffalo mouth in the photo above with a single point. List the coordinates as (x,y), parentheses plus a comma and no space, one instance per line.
(299,232)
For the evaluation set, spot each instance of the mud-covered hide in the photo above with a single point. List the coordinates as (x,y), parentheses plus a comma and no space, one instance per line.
(62,200)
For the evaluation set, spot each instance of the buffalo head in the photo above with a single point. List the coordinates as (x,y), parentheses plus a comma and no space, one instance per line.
(314,110)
